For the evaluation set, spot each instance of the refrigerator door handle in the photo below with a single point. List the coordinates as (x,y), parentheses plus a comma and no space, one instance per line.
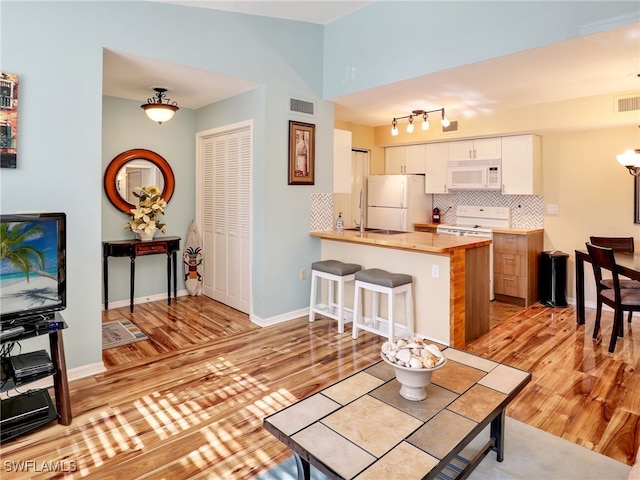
(404,196)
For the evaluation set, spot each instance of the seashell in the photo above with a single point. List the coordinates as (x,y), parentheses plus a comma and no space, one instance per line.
(412,344)
(401,343)
(404,356)
(415,362)
(429,361)
(433,350)
(386,346)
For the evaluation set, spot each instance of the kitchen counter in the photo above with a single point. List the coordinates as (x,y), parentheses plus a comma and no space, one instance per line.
(450,277)
(518,231)
(414,241)
(512,231)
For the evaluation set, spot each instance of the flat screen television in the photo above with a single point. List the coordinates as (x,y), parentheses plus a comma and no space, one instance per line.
(32,265)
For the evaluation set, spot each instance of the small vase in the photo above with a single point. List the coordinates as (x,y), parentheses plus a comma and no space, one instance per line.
(144,236)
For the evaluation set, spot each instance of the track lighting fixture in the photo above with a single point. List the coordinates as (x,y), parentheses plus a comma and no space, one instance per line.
(418,113)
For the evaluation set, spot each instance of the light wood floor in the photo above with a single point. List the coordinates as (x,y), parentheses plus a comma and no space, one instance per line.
(189,402)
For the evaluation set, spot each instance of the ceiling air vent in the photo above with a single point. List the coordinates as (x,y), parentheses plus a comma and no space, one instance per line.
(627,104)
(453,127)
(302,107)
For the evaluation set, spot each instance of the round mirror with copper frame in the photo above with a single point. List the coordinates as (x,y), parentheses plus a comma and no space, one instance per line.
(114,168)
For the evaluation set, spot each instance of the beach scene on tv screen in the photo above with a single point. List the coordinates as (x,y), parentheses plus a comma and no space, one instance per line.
(28,266)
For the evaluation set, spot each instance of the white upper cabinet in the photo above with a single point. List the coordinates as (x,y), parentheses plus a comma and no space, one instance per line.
(414,156)
(404,159)
(521,165)
(341,161)
(394,160)
(437,155)
(479,149)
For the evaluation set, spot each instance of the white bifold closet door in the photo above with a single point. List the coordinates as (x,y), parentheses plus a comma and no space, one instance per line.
(226,202)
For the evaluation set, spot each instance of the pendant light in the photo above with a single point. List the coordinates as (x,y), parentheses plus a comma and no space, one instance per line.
(158,111)
(631,160)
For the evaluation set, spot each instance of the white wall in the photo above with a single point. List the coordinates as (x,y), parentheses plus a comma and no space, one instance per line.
(387,42)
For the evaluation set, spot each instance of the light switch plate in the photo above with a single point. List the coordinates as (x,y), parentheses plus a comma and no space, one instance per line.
(435,271)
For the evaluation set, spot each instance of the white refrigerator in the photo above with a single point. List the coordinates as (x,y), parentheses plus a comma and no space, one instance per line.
(396,202)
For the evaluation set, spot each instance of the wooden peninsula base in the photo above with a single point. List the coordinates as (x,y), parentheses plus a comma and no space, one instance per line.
(450,277)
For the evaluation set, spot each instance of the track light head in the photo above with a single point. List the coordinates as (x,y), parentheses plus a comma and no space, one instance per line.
(394,127)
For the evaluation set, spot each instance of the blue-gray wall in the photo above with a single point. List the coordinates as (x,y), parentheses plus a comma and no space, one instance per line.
(125,126)
(68,133)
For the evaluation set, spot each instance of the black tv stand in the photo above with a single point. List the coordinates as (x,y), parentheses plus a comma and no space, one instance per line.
(60,382)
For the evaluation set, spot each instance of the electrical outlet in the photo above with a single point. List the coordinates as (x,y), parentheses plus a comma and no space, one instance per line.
(435,271)
(303,274)
(552,209)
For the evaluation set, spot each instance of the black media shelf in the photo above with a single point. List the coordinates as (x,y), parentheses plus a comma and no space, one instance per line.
(26,412)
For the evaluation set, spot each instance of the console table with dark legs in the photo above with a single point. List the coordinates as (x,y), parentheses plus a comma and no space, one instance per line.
(138,248)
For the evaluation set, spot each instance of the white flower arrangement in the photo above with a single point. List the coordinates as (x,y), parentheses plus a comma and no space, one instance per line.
(150,204)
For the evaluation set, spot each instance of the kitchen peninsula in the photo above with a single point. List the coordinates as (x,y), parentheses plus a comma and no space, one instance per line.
(450,276)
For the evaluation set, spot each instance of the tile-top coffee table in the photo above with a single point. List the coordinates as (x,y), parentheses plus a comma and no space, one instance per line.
(361,428)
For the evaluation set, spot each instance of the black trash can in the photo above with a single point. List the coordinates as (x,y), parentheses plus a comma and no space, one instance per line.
(552,278)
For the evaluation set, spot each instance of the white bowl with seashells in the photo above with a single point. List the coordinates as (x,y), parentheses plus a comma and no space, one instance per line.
(413,360)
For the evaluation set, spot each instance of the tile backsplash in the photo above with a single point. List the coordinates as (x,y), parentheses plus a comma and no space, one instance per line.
(527,211)
(321,211)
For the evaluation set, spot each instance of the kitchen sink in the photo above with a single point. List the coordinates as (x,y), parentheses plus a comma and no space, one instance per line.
(377,230)
(356,229)
(389,232)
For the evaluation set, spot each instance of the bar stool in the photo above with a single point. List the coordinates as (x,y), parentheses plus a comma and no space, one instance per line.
(336,273)
(380,281)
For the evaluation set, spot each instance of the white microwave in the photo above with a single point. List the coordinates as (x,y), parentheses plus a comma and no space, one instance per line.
(474,175)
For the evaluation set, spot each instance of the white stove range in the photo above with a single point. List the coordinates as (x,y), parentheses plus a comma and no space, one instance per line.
(477,221)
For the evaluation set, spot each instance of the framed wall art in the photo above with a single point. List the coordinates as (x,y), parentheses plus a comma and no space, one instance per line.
(302,140)
(8,120)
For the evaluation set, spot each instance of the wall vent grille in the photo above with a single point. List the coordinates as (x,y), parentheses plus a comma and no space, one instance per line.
(302,107)
(627,104)
(453,127)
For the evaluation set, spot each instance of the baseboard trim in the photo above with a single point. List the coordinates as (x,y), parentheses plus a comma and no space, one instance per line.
(145,299)
(72,374)
(285,317)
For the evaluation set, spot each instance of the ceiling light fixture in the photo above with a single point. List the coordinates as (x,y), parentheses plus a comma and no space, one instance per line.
(631,160)
(158,111)
(425,122)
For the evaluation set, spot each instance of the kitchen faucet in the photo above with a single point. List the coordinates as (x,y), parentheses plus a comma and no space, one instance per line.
(361,224)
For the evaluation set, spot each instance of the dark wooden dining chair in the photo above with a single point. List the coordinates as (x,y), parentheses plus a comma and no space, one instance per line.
(617,244)
(620,299)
